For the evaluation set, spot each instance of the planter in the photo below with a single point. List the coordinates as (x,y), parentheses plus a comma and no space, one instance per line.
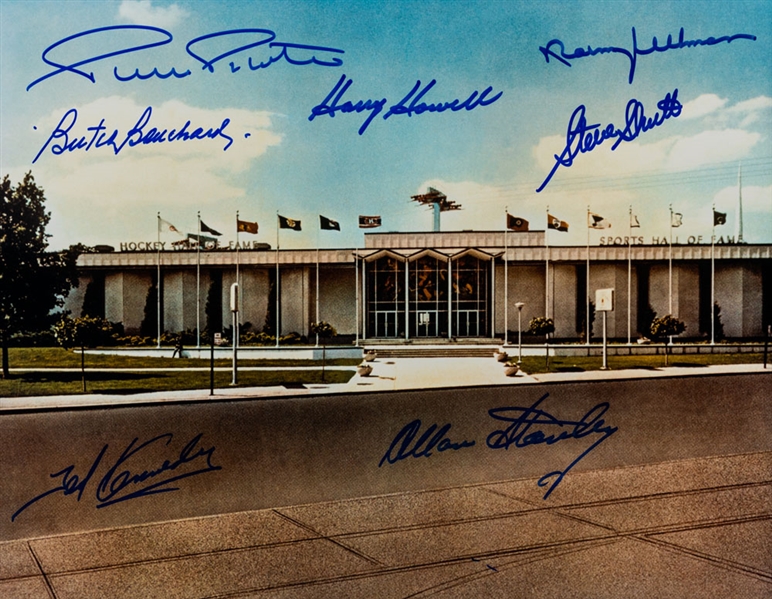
(370,356)
(364,370)
(502,357)
(511,369)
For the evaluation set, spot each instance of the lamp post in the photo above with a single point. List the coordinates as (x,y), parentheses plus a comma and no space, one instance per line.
(519,306)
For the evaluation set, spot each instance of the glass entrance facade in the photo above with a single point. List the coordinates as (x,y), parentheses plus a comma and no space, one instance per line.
(385,298)
(471,295)
(430,296)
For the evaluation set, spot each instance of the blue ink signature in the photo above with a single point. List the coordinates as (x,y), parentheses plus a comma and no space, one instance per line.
(291,53)
(584,138)
(137,135)
(526,429)
(333,103)
(564,57)
(405,444)
(125,480)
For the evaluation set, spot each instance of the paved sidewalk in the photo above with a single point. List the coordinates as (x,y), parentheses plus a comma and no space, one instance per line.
(690,528)
(699,527)
(389,374)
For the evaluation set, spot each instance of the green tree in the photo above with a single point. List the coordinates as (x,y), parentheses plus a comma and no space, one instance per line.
(664,328)
(213,307)
(324,330)
(542,325)
(149,325)
(83,332)
(94,298)
(718,326)
(33,280)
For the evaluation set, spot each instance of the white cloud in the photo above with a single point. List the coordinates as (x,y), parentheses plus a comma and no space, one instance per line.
(673,153)
(753,105)
(711,146)
(755,199)
(702,105)
(751,110)
(142,12)
(96,194)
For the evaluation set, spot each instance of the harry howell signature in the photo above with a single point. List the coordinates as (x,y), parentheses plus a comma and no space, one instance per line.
(139,471)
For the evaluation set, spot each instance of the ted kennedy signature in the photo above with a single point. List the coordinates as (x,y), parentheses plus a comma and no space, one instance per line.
(137,472)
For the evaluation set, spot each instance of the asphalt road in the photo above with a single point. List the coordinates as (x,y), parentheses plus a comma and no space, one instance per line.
(74,470)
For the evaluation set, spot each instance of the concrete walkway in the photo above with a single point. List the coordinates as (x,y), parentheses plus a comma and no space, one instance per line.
(697,528)
(389,374)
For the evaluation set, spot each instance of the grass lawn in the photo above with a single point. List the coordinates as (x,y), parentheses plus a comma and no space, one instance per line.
(41,382)
(45,380)
(536,364)
(56,357)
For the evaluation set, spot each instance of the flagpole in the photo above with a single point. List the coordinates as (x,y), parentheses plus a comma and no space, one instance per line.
(356,290)
(740,204)
(670,266)
(277,278)
(547,268)
(363,299)
(198,283)
(318,235)
(629,274)
(670,273)
(713,279)
(236,332)
(587,299)
(158,284)
(506,276)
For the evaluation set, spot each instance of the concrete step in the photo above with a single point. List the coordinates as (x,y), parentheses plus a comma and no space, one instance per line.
(479,351)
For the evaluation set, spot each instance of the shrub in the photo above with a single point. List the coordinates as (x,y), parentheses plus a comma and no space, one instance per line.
(541,326)
(324,329)
(33,339)
(86,331)
(667,326)
(718,326)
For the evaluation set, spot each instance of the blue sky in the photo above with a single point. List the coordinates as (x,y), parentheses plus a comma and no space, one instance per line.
(486,159)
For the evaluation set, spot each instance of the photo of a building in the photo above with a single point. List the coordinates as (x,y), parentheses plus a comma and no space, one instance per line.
(442,286)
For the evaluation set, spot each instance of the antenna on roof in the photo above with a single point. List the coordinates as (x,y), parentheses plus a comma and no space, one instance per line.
(439,202)
(740,204)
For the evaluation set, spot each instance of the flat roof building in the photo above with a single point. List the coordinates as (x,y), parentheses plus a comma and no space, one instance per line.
(448,285)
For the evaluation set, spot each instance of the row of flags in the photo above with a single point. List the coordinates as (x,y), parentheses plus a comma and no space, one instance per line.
(514,223)
(245,226)
(596,221)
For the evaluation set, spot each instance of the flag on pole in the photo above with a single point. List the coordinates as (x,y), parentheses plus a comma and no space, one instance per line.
(288,223)
(328,224)
(719,218)
(203,241)
(515,223)
(165,225)
(369,222)
(634,224)
(596,221)
(245,226)
(207,229)
(555,223)
(676,219)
